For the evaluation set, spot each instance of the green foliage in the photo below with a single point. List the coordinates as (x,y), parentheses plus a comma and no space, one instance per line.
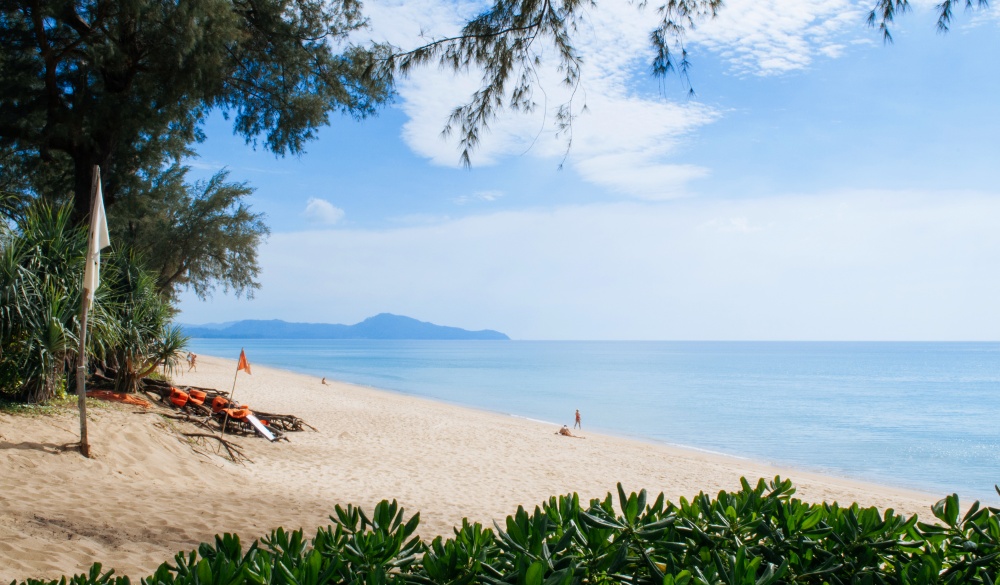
(55,406)
(127,85)
(134,329)
(196,236)
(884,13)
(41,272)
(510,40)
(94,577)
(759,535)
(463,559)
(41,278)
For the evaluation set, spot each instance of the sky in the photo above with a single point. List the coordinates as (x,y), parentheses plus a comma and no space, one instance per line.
(818,185)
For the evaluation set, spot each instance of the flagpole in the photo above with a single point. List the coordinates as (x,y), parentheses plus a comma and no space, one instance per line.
(231,393)
(81,359)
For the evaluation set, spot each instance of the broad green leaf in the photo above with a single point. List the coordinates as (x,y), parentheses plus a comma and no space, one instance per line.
(533,576)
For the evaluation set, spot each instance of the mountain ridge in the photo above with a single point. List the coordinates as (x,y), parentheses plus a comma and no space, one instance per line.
(381,326)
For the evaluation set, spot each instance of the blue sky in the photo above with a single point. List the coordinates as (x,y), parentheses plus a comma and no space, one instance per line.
(819,185)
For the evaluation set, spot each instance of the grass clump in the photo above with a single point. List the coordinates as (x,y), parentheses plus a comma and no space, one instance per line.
(56,405)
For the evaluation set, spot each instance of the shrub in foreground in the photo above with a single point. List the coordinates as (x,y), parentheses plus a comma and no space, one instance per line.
(759,535)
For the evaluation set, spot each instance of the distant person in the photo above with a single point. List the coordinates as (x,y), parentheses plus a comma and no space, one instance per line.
(323,381)
(192,362)
(577,425)
(564,431)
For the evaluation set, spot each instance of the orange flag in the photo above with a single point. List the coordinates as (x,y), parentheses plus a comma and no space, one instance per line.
(244,364)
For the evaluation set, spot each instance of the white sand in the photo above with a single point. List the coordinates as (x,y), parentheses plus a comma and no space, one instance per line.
(148,494)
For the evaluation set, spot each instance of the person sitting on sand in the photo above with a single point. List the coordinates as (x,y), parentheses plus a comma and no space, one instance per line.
(564,431)
(323,381)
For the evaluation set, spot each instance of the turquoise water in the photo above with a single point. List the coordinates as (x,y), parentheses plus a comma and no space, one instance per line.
(914,415)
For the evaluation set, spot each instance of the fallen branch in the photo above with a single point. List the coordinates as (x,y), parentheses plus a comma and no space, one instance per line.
(284,422)
(202,422)
(235,453)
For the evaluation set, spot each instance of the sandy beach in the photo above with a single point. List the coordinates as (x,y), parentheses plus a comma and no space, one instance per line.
(148,492)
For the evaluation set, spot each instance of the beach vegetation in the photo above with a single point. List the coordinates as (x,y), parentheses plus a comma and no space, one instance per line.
(60,404)
(128,85)
(759,535)
(42,259)
(41,275)
(137,337)
(198,236)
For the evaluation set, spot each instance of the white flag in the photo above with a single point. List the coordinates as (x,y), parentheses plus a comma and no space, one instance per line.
(99,239)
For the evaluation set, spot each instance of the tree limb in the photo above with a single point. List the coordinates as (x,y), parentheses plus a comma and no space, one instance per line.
(235,453)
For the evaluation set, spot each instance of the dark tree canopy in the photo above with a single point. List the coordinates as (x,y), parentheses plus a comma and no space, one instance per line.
(125,84)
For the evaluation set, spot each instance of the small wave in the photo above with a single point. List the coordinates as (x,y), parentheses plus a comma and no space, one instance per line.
(537,420)
(708,451)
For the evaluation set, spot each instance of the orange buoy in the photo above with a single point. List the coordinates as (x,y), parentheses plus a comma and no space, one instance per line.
(218,403)
(198,396)
(178,397)
(237,413)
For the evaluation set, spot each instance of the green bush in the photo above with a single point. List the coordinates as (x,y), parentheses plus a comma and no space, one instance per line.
(759,535)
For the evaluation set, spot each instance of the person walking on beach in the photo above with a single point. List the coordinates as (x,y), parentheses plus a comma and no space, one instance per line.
(192,362)
(577,425)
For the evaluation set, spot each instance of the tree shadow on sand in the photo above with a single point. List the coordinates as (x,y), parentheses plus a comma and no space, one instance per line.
(51,448)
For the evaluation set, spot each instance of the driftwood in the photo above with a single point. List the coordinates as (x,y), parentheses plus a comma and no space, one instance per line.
(203,416)
(277,423)
(284,422)
(235,453)
(201,422)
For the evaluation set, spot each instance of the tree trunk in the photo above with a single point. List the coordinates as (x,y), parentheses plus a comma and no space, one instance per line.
(82,174)
(83,169)
(40,390)
(128,380)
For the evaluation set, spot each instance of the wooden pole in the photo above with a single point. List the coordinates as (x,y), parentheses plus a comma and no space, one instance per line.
(231,393)
(81,358)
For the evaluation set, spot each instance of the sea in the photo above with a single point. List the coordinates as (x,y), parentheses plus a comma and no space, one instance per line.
(923,416)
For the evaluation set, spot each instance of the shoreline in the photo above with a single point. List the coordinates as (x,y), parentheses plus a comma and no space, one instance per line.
(149,493)
(782,469)
(789,469)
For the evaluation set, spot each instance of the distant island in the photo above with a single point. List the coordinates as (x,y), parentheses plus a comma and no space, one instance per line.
(382,326)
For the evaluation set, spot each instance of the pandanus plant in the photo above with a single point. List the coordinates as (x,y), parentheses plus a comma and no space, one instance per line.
(139,336)
(42,261)
(41,271)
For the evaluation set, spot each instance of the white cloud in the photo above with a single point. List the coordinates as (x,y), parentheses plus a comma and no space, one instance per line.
(636,133)
(861,265)
(484,196)
(984,17)
(322,212)
(203,165)
(624,142)
(405,23)
(768,37)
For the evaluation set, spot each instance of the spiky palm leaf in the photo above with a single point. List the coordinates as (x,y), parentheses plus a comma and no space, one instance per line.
(140,319)
(41,270)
